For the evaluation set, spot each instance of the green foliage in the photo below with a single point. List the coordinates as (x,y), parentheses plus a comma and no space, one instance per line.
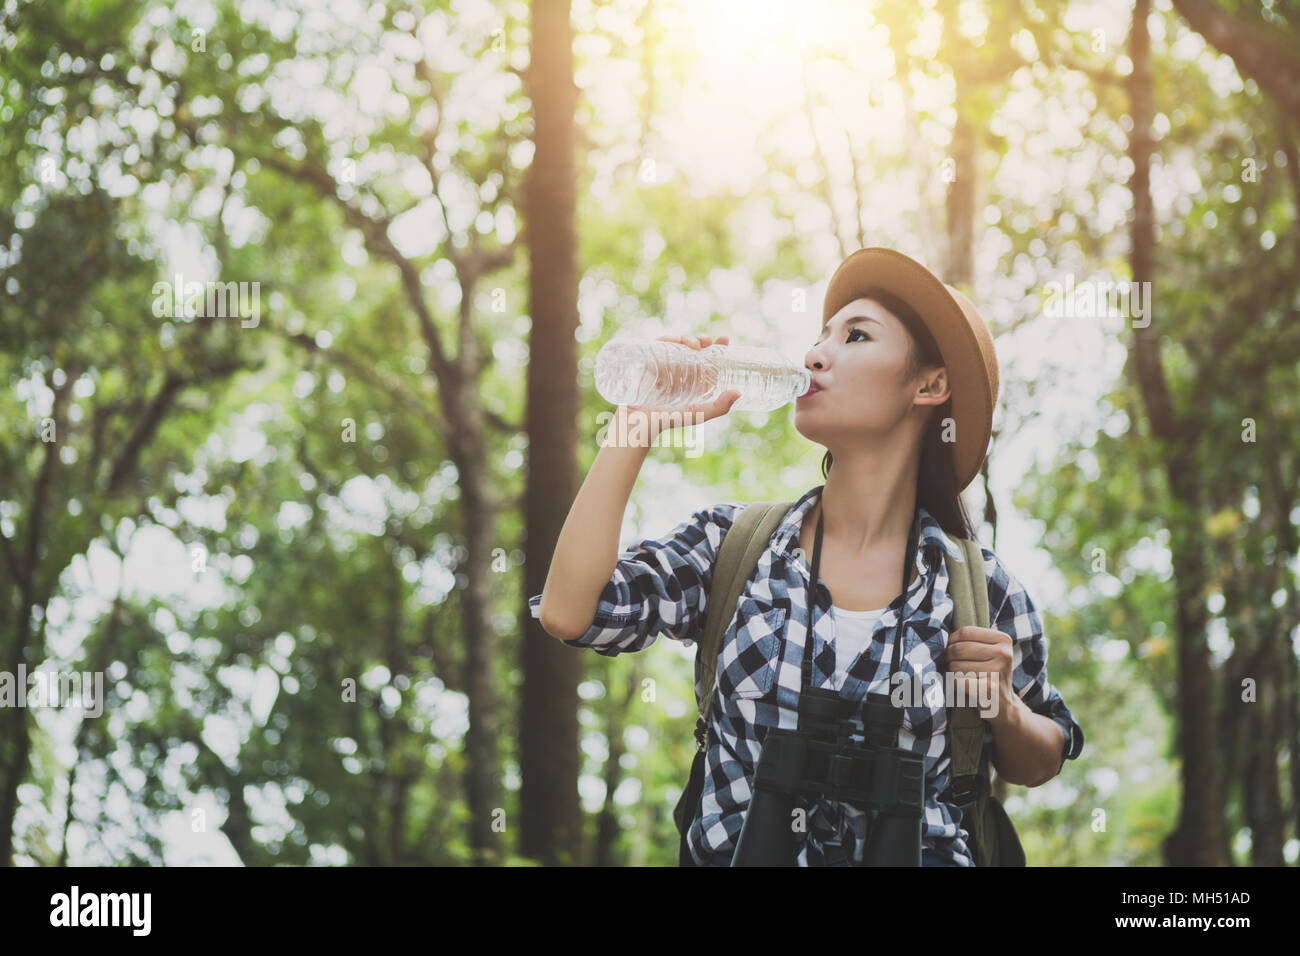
(308,560)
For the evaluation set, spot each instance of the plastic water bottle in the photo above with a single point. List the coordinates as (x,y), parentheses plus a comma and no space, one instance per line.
(633,371)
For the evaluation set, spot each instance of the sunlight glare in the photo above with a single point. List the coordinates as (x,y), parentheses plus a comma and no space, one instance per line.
(726,30)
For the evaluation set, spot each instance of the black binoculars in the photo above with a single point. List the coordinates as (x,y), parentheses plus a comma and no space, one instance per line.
(824,758)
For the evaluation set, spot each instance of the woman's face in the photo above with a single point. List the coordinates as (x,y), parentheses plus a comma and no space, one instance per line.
(859,367)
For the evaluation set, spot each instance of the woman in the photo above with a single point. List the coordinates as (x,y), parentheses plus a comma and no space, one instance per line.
(904,385)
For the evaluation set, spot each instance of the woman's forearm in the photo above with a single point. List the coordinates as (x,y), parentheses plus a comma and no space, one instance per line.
(586,552)
(1026,746)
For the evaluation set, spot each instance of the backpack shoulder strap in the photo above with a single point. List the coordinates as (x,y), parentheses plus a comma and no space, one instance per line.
(742,547)
(969,591)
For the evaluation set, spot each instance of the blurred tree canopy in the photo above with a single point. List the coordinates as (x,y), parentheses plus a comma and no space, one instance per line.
(288,525)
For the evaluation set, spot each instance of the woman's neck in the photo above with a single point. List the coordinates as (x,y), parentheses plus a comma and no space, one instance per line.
(868,501)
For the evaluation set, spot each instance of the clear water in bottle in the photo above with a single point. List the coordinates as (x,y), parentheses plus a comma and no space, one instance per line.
(764,379)
(654,373)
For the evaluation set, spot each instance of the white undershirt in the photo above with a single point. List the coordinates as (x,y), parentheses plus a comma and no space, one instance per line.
(853,630)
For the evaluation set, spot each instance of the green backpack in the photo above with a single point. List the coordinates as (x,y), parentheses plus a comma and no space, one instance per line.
(993,839)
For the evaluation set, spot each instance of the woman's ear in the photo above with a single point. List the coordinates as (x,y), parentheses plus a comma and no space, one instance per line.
(934,388)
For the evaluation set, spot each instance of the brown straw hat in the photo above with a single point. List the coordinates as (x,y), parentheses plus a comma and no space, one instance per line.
(959,331)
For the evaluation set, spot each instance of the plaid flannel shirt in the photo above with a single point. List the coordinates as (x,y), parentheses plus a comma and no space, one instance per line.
(661,586)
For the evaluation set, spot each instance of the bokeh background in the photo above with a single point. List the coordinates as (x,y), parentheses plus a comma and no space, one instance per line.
(295,530)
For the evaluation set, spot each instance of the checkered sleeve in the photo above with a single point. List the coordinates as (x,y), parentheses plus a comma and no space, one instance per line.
(1017,617)
(659,586)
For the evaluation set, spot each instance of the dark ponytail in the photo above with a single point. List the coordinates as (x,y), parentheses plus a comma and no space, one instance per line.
(936,480)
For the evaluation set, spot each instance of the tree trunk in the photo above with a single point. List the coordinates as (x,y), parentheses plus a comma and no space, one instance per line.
(1198,839)
(468,450)
(616,711)
(1264,799)
(550,814)
(23,648)
(959,263)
